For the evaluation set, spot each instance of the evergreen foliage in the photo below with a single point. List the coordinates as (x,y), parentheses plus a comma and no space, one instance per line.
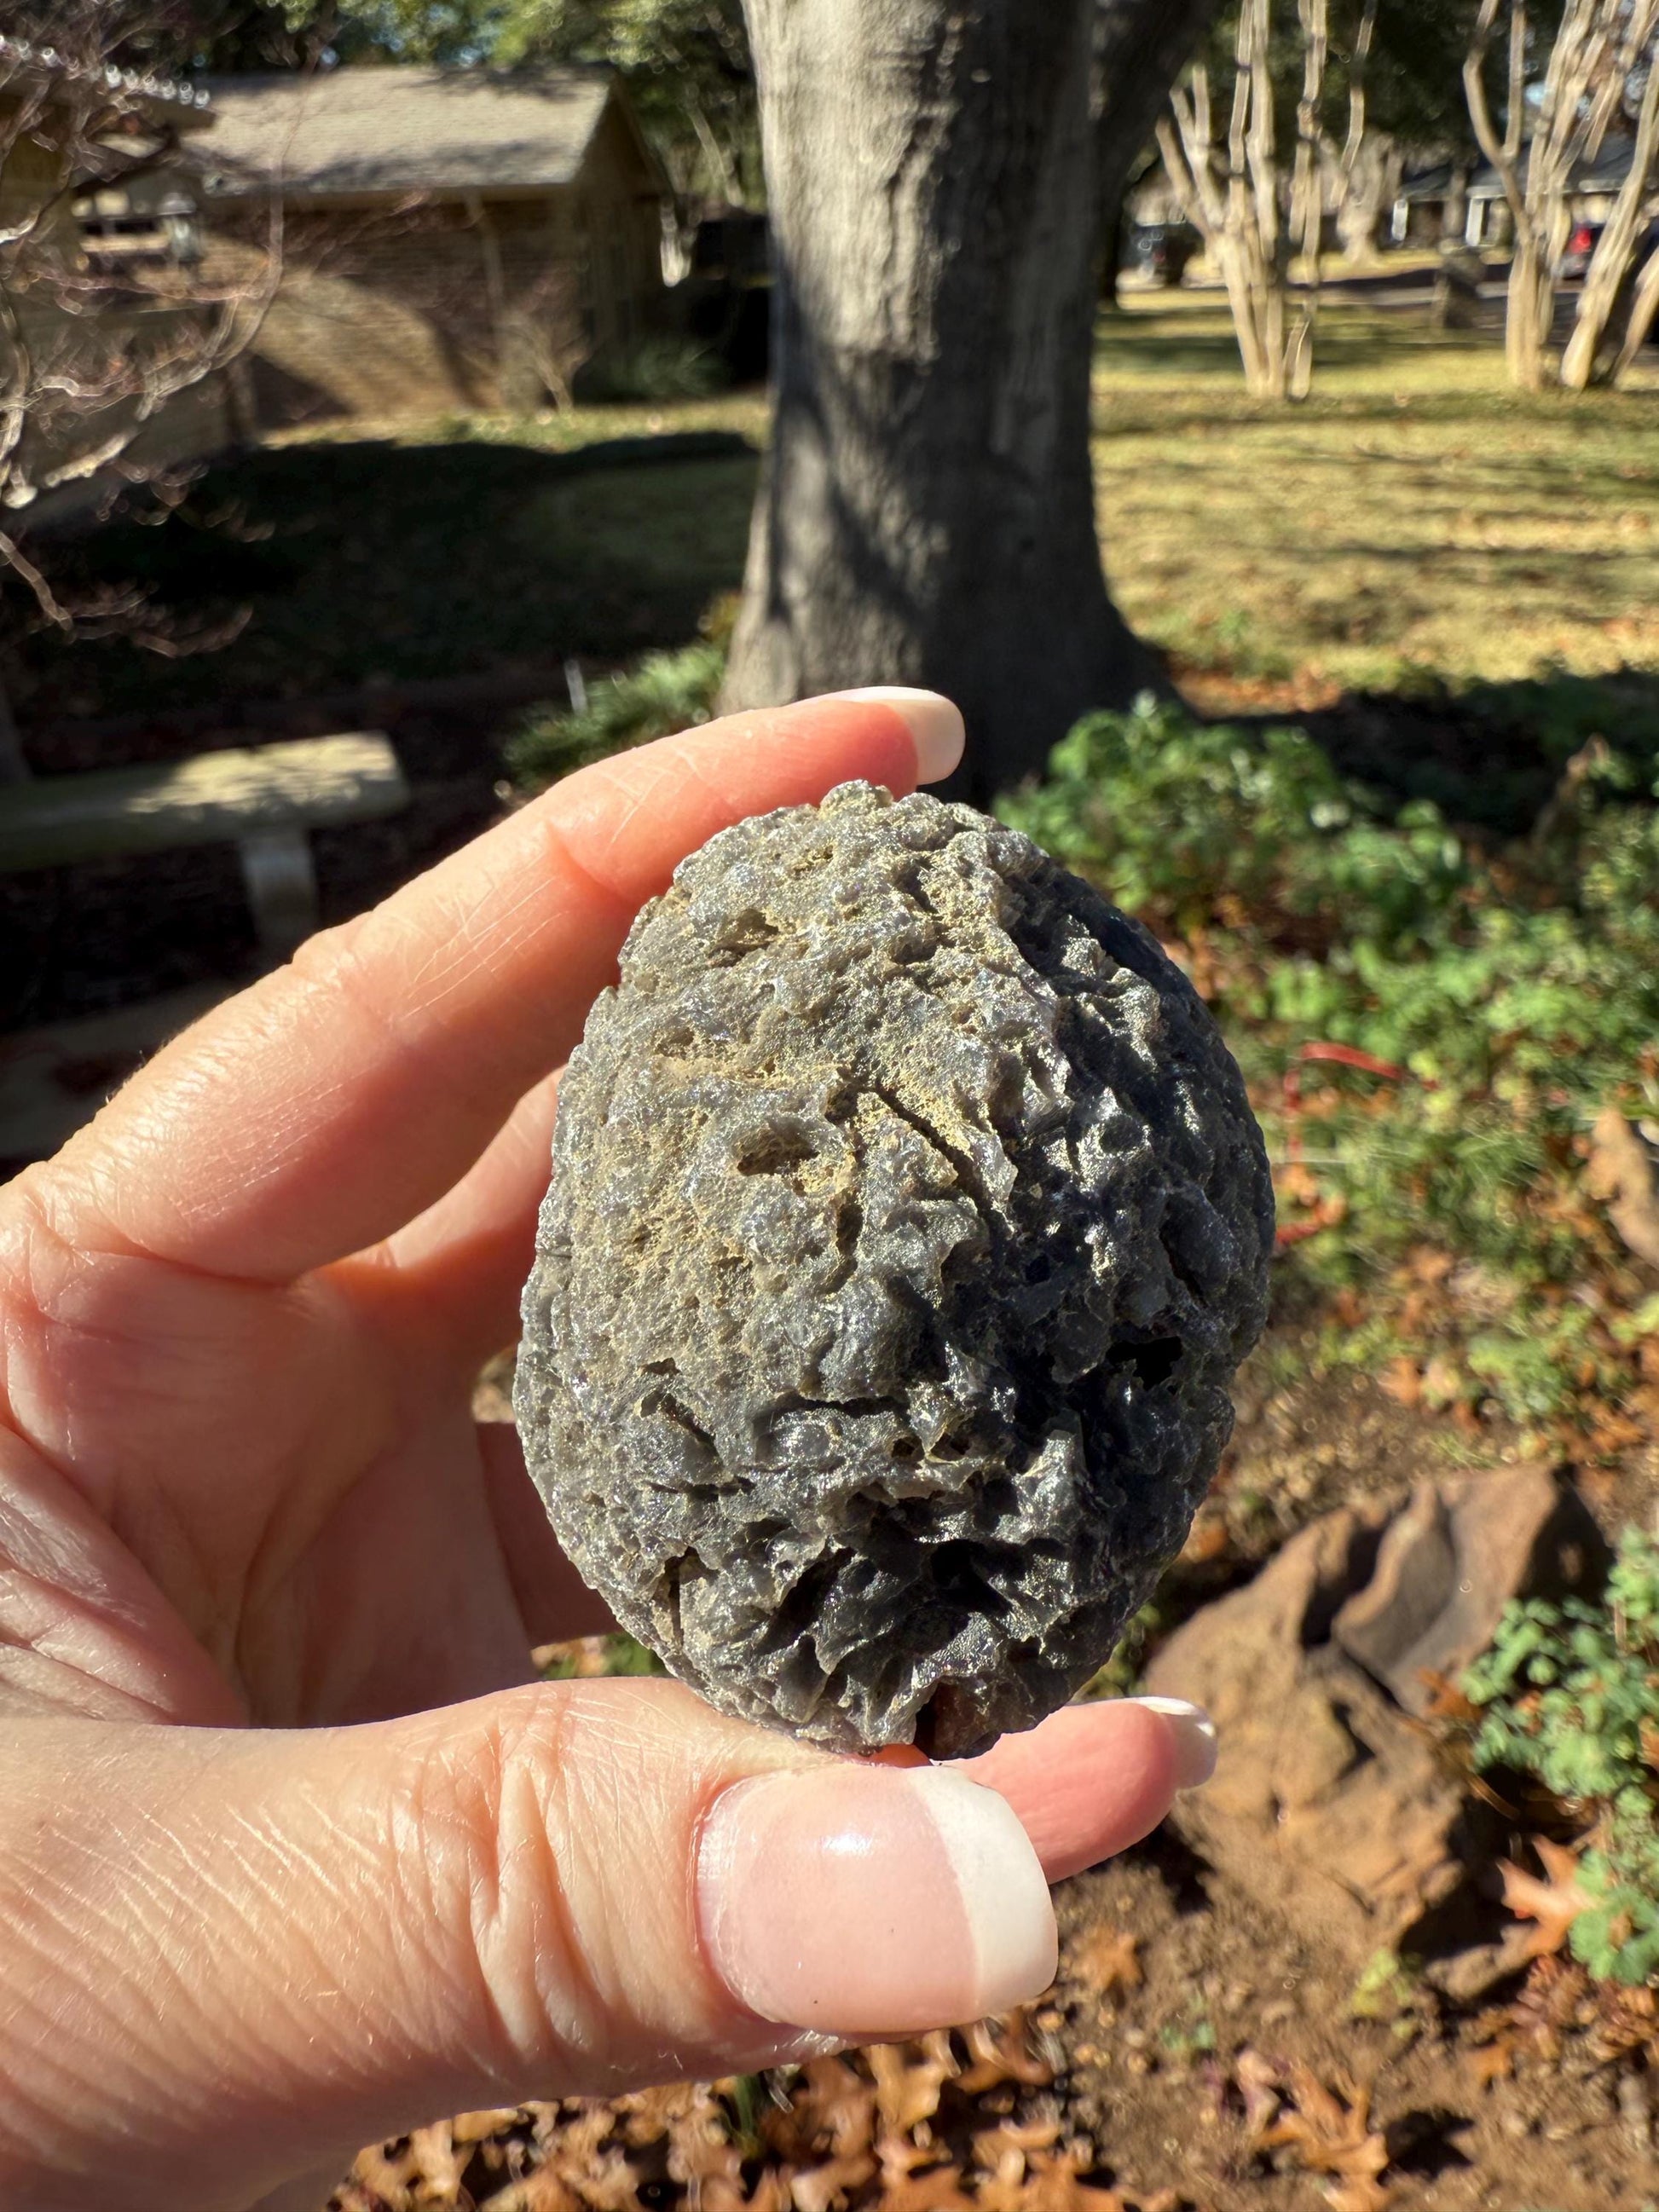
(1430,1027)
(663,693)
(685,61)
(1569,1693)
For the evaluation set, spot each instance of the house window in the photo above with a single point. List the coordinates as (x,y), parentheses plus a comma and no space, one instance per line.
(116,235)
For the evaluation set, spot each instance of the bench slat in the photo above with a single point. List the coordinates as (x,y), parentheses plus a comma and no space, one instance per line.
(303,783)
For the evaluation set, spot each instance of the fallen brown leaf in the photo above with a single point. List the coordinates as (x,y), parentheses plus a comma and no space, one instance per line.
(907,2089)
(473,2127)
(999,2053)
(1446,1701)
(1330,2132)
(1493,2062)
(832,2182)
(1108,1959)
(437,2163)
(938,2190)
(1054,2186)
(1402,1381)
(1554,1903)
(543,2190)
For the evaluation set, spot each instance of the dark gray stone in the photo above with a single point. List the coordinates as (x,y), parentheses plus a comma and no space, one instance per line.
(908,1222)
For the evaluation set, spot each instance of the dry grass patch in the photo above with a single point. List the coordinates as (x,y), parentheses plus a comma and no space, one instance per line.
(1415,519)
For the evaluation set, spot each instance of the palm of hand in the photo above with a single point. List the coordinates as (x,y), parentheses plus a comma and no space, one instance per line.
(288,1484)
(241,1483)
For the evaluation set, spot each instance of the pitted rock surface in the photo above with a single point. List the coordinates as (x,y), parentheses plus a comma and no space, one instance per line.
(908,1222)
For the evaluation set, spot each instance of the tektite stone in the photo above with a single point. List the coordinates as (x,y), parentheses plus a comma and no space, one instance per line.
(908,1222)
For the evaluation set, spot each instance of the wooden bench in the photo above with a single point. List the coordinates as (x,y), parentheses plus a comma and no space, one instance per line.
(265,800)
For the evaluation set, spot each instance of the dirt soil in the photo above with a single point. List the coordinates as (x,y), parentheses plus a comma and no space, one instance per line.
(1196,2053)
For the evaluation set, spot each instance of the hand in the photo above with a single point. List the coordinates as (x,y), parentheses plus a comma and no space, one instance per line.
(295,1851)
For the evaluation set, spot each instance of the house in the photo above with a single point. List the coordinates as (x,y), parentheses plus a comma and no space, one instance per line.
(95,347)
(1448,202)
(450,237)
(1431,203)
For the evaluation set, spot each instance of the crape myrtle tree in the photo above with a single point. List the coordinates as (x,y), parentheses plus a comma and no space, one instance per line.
(925,515)
(1393,91)
(1295,110)
(1573,74)
(1619,299)
(1222,143)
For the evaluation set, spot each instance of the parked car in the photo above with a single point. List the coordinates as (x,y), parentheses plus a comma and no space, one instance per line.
(1162,250)
(1580,246)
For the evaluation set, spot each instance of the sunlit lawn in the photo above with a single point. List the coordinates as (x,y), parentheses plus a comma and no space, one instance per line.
(1415,517)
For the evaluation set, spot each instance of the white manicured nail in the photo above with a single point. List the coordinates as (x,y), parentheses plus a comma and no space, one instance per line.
(935,725)
(872,1901)
(1195,1734)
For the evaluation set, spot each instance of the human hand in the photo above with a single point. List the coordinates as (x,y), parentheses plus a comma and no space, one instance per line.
(295,1851)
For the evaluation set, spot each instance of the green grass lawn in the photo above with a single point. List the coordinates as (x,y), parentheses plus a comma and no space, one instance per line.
(443,549)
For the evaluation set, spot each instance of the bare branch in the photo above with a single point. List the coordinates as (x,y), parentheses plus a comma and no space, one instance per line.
(1500,152)
(91,357)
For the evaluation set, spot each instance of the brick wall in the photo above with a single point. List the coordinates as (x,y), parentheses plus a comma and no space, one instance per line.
(481,303)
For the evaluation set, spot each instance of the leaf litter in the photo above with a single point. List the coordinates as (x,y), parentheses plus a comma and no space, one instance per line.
(960,2121)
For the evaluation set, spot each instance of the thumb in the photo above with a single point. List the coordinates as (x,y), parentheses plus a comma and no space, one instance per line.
(232,1957)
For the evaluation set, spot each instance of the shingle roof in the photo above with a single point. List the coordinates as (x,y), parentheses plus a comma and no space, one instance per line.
(1604,174)
(368,131)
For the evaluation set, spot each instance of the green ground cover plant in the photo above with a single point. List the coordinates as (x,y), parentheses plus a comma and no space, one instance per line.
(665,692)
(1569,1694)
(1430,1025)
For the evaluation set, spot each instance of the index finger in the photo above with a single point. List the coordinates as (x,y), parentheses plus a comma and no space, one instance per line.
(321,1109)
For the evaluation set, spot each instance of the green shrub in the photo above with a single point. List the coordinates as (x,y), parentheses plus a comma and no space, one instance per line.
(1192,826)
(1569,1693)
(1505,999)
(666,692)
(666,368)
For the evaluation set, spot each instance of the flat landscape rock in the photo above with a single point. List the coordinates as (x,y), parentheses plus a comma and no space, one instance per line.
(1332,1805)
(1449,1565)
(908,1220)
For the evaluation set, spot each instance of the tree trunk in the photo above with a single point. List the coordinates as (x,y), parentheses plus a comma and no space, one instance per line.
(1529,316)
(1369,186)
(1644,309)
(1610,280)
(926,512)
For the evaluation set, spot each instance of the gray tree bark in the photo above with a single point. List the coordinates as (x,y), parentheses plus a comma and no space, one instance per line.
(1139,51)
(1139,54)
(926,512)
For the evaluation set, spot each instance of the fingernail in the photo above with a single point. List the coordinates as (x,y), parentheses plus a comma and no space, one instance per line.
(1195,1735)
(935,725)
(863,1900)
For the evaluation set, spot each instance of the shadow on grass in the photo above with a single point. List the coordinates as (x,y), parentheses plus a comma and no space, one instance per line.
(1488,755)
(376,559)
